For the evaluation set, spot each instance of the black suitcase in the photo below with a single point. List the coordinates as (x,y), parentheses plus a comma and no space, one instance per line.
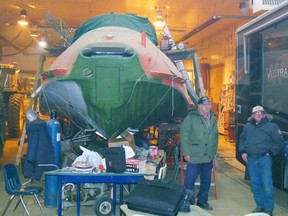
(115,159)
(157,197)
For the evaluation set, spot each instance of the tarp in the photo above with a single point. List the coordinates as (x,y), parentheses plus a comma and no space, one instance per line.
(130,21)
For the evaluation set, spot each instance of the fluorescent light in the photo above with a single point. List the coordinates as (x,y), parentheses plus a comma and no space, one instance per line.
(34,33)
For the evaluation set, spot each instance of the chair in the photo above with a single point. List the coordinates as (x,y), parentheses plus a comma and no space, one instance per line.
(162,172)
(14,188)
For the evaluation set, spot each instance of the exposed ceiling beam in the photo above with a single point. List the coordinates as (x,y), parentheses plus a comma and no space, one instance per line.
(201,27)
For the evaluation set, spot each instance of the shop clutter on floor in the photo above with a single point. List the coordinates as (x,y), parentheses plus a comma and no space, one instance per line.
(235,196)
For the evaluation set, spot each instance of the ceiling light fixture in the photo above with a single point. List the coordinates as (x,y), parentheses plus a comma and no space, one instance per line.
(42,43)
(159,22)
(159,14)
(23,21)
(7,23)
(34,33)
(244,7)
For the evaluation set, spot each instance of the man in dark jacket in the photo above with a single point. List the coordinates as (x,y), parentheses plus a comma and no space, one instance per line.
(260,140)
(199,143)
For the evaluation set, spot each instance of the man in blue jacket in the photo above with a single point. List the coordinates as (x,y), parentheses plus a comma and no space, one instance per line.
(259,141)
(199,143)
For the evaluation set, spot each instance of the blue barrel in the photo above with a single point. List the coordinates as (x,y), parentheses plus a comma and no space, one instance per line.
(51,188)
(54,131)
(51,182)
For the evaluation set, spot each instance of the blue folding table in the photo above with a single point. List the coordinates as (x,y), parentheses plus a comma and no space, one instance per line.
(64,177)
(80,178)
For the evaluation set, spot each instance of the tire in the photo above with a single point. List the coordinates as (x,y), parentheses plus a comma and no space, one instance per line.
(103,206)
(83,195)
(16,115)
(2,122)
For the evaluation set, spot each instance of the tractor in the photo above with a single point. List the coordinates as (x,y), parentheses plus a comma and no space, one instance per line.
(16,92)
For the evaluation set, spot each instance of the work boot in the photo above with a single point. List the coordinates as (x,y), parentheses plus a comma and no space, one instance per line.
(205,206)
(268,212)
(192,200)
(190,196)
(185,207)
(258,210)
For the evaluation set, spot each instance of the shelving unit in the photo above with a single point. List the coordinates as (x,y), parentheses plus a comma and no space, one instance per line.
(226,116)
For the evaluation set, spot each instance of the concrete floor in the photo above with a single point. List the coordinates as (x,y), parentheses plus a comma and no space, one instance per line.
(235,196)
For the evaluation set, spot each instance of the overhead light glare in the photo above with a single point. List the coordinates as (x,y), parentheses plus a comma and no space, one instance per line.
(158,23)
(31,6)
(34,32)
(23,22)
(42,43)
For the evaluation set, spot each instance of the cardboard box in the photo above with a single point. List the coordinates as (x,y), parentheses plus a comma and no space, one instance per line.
(126,140)
(135,165)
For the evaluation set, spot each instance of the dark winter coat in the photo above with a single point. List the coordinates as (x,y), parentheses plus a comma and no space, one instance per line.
(198,140)
(39,151)
(259,139)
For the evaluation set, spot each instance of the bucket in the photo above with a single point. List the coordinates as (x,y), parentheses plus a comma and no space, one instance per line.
(164,45)
(154,151)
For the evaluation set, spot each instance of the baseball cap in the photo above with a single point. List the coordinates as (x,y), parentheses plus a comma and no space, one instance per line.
(202,100)
(258,108)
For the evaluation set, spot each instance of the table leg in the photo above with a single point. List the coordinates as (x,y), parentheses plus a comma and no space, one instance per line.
(114,198)
(120,198)
(78,199)
(59,197)
(129,188)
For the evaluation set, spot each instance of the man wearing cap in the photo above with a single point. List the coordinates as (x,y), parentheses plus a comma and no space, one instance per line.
(259,141)
(199,143)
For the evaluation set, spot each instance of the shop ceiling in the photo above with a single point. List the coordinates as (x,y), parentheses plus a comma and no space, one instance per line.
(183,17)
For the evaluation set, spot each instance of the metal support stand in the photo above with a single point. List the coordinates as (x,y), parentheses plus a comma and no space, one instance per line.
(185,54)
(176,159)
(31,103)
